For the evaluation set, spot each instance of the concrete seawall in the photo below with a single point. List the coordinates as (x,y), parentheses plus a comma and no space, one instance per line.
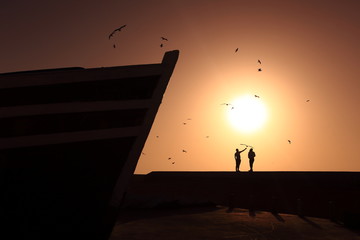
(334,195)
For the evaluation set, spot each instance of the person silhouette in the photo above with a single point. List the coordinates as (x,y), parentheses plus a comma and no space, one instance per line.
(251,156)
(238,159)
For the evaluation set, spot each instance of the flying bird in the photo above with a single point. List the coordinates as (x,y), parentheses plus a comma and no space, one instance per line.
(157,136)
(236,50)
(289,141)
(169,158)
(245,145)
(114,46)
(184,123)
(184,151)
(161,45)
(308,100)
(173,162)
(165,39)
(259,61)
(207,136)
(118,29)
(227,104)
(257,96)
(259,70)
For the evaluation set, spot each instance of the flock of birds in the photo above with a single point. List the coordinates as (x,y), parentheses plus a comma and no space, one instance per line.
(257,96)
(163,40)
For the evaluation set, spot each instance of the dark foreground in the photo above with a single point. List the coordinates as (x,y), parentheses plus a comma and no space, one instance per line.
(214,223)
(290,203)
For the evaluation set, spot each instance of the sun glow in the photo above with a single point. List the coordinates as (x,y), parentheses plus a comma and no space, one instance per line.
(247,113)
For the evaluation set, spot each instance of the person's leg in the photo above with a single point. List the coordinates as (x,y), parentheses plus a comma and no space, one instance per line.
(237,166)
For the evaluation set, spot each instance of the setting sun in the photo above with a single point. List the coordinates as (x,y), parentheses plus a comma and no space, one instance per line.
(248,113)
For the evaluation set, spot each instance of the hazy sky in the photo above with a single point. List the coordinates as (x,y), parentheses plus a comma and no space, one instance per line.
(309,50)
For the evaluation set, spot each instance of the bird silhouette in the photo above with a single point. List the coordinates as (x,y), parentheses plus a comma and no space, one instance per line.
(157,136)
(227,104)
(259,70)
(165,39)
(308,100)
(245,145)
(161,45)
(257,96)
(169,158)
(116,30)
(114,46)
(259,61)
(289,141)
(207,136)
(236,50)
(173,162)
(184,123)
(184,151)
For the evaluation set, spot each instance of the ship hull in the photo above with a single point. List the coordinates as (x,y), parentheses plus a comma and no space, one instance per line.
(69,142)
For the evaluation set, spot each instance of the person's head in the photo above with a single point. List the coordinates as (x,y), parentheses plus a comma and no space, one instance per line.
(237,149)
(251,149)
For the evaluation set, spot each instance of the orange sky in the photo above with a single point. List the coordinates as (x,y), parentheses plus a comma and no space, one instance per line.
(308,49)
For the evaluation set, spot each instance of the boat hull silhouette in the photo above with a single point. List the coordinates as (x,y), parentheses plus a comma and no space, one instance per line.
(70,140)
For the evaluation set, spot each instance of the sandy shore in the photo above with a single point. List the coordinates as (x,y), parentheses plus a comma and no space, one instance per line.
(214,223)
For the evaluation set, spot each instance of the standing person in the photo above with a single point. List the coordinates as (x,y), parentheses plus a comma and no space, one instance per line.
(251,156)
(238,159)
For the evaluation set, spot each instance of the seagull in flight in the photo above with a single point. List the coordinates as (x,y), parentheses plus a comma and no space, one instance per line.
(259,61)
(118,29)
(184,151)
(236,50)
(161,45)
(227,104)
(259,70)
(245,145)
(257,96)
(308,100)
(165,39)
(289,141)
